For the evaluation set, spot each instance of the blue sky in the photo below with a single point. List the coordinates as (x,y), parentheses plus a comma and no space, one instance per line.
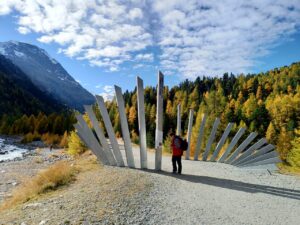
(107,43)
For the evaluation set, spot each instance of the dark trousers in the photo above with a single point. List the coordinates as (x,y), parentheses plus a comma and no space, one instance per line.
(176,159)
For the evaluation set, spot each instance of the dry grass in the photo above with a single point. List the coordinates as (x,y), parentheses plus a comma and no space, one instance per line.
(284,168)
(51,178)
(86,162)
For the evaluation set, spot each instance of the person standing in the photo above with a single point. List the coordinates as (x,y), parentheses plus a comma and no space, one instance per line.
(176,153)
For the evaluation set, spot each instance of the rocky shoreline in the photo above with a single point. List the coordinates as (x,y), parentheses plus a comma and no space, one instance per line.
(13,145)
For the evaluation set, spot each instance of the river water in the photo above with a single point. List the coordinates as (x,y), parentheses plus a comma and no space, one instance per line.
(8,151)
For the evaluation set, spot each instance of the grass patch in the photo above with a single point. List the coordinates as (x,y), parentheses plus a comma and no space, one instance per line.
(86,162)
(57,175)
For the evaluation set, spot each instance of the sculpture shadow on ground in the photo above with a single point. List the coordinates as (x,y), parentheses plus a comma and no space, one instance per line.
(232,184)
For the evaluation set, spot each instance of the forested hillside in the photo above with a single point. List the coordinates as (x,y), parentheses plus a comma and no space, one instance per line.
(268,103)
(18,95)
(26,110)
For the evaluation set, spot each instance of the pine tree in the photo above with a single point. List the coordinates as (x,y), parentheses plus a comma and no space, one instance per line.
(259,92)
(271,133)
(293,157)
(132,115)
(284,143)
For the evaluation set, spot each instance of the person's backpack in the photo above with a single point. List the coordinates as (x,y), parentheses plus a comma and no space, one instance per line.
(184,145)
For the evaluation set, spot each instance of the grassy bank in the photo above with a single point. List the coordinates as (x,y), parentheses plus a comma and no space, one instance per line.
(57,175)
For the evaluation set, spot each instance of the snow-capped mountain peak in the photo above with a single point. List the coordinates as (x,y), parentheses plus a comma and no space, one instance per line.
(46,73)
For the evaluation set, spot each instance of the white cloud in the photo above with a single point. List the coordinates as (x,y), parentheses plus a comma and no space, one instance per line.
(23,30)
(213,37)
(108,88)
(7,6)
(106,33)
(192,37)
(108,92)
(135,13)
(145,57)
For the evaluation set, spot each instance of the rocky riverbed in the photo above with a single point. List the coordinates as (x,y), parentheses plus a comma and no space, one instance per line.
(15,171)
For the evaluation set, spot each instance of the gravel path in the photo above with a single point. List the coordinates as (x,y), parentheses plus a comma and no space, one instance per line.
(206,193)
(212,193)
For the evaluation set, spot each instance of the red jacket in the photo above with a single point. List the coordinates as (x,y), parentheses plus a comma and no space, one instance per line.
(176,151)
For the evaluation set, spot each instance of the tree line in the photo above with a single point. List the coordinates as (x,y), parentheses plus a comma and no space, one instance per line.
(52,128)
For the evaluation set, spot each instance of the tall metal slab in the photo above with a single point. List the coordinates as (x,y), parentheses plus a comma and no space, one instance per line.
(110,131)
(178,130)
(234,141)
(200,135)
(249,151)
(265,156)
(264,162)
(124,127)
(221,142)
(142,123)
(257,153)
(100,135)
(189,134)
(241,147)
(88,143)
(90,139)
(159,122)
(211,138)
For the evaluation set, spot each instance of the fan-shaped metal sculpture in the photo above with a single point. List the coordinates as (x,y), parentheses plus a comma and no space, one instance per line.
(259,153)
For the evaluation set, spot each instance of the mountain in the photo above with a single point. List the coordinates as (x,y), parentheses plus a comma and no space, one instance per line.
(18,95)
(46,73)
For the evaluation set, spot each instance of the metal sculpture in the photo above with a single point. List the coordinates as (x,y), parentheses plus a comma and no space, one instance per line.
(159,121)
(189,134)
(142,122)
(260,153)
(124,127)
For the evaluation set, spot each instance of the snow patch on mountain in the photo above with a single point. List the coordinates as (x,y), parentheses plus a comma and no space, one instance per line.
(53,61)
(46,73)
(19,54)
(2,51)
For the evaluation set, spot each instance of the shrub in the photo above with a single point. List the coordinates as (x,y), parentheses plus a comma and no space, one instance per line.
(75,146)
(135,138)
(167,144)
(51,139)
